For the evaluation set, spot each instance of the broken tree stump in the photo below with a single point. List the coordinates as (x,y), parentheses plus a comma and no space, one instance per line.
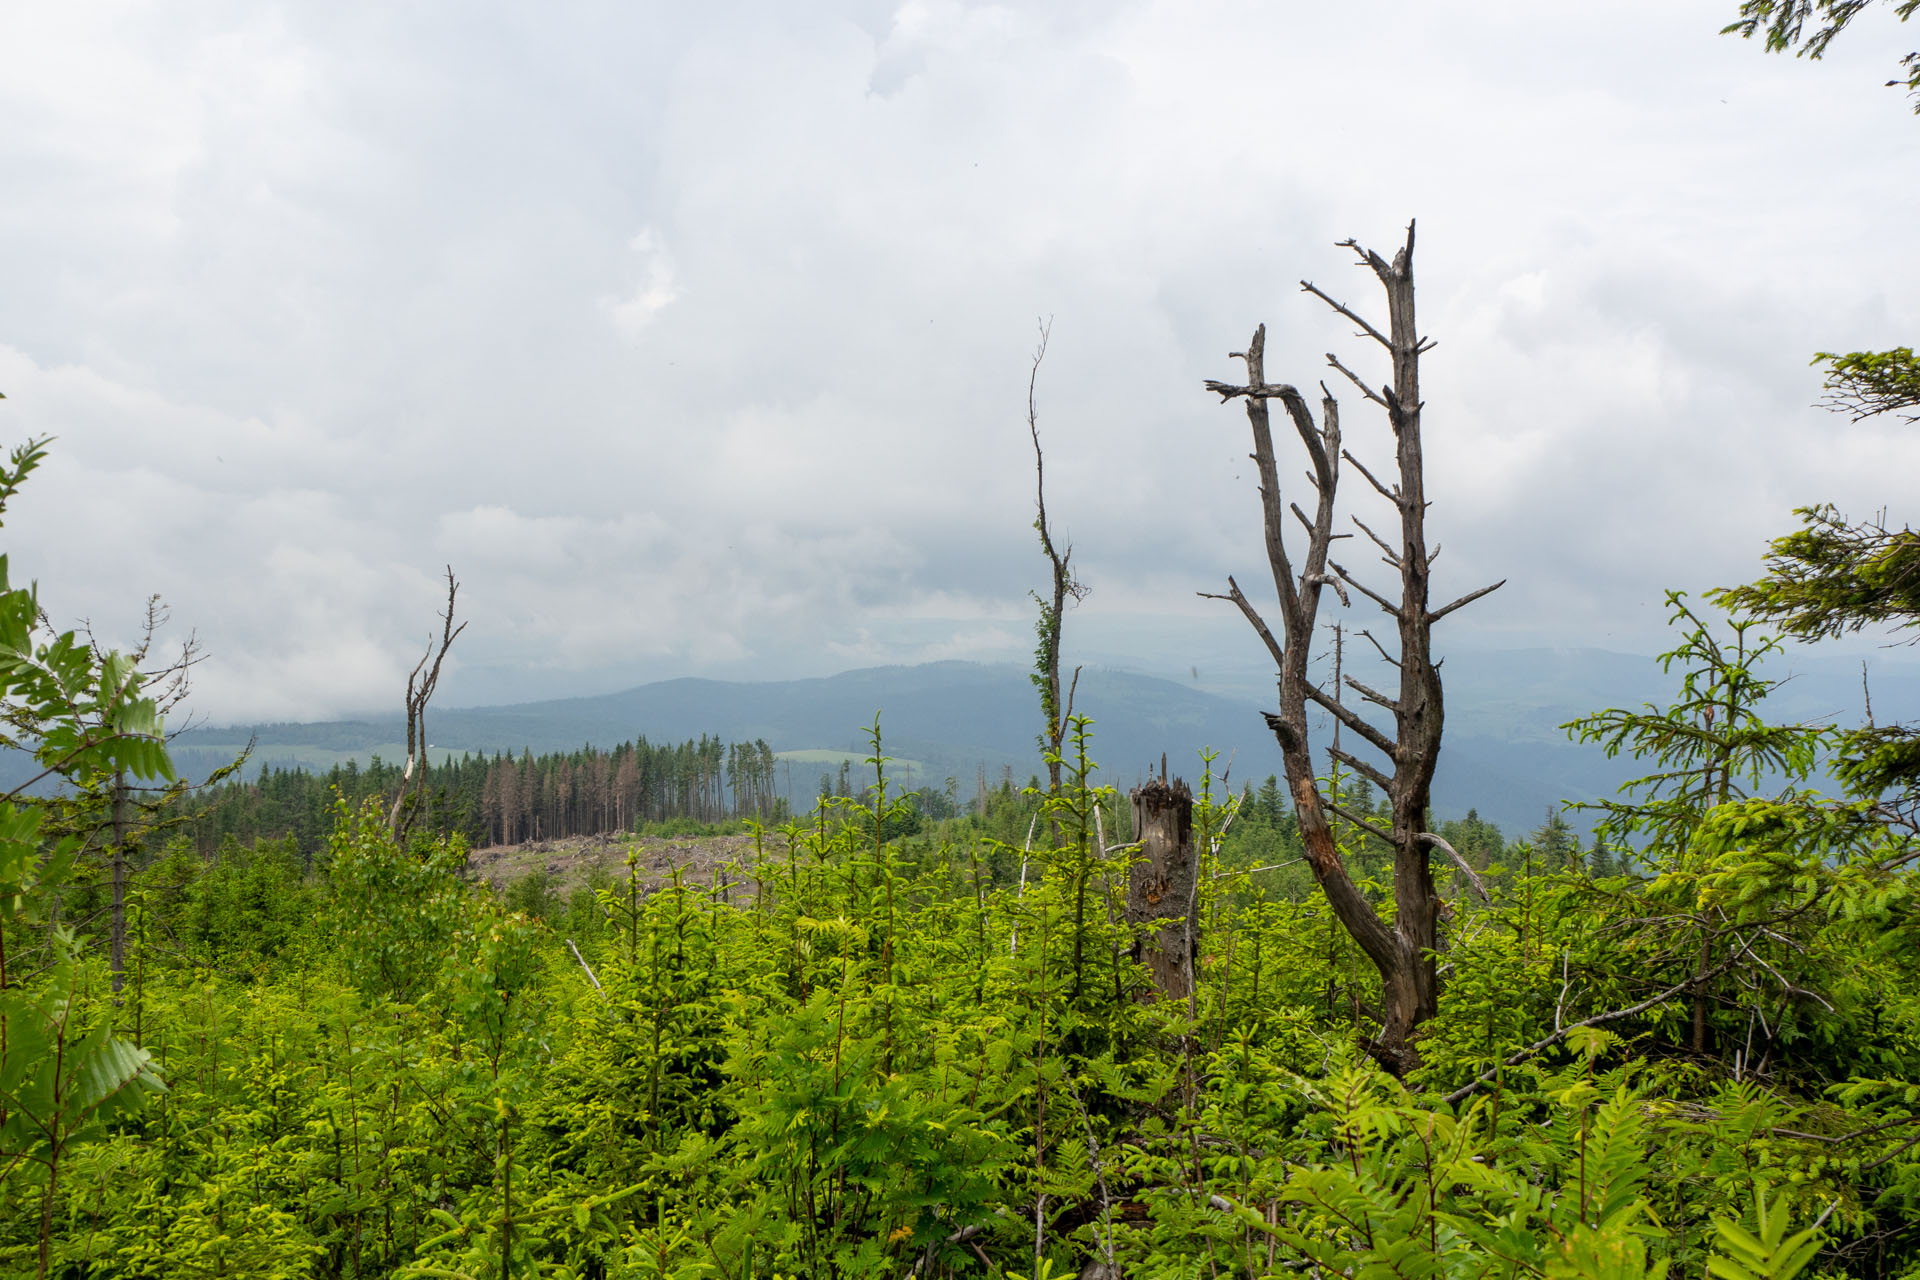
(1161,896)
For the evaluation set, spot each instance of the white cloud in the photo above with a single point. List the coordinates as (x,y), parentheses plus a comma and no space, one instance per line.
(319,300)
(655,292)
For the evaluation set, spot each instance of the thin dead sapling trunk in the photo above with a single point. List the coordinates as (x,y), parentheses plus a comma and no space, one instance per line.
(1046,655)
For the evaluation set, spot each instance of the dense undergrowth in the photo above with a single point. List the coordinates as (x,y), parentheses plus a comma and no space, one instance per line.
(849,1057)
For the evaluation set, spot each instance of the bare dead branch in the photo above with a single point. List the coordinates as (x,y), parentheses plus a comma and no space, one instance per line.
(1325,580)
(1352,720)
(1247,610)
(1354,378)
(1473,877)
(1312,437)
(1388,553)
(1385,656)
(1366,329)
(1391,495)
(1368,258)
(1599,1019)
(1361,767)
(1902,1149)
(1372,695)
(1466,599)
(584,965)
(1374,596)
(1365,824)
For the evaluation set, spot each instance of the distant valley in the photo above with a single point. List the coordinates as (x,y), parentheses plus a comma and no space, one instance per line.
(1504,752)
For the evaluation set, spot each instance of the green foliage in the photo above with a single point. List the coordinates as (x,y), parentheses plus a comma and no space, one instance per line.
(396,911)
(1785,21)
(877,1060)
(693,788)
(64,1073)
(1866,383)
(1831,577)
(1711,745)
(1768,1253)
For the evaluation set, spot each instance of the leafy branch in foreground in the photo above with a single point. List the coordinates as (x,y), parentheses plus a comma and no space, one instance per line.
(1866,383)
(1785,25)
(63,1071)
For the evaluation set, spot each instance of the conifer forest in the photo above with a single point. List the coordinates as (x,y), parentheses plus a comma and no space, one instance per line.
(273,1024)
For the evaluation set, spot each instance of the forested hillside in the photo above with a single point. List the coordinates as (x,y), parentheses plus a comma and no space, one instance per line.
(503,800)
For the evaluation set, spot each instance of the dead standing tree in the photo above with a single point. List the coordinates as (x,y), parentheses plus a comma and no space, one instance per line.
(1046,654)
(412,797)
(1403,951)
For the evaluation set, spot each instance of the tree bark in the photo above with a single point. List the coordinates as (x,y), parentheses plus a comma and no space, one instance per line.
(1161,887)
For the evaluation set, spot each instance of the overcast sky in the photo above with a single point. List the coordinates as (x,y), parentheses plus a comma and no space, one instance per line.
(696,337)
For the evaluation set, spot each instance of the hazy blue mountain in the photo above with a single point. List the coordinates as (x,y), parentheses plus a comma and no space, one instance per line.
(1504,753)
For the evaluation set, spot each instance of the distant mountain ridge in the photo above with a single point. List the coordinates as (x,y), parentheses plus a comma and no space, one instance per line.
(1503,754)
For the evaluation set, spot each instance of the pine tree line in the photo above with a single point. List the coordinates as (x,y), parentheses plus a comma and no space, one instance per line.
(504,799)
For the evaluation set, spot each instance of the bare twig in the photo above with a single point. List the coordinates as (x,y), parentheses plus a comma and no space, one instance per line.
(584,965)
(1365,328)
(1361,767)
(1391,495)
(1355,379)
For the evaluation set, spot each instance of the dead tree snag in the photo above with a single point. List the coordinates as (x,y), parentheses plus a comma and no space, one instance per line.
(1403,951)
(1046,654)
(425,676)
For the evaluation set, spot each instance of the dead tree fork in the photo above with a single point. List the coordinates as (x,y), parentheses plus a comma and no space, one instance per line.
(1402,763)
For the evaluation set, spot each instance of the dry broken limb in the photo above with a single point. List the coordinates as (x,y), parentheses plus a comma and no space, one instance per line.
(1403,951)
(421,682)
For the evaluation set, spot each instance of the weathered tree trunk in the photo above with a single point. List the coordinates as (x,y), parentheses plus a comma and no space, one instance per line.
(1403,950)
(1161,887)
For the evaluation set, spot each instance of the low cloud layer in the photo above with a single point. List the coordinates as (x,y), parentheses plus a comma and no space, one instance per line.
(697,341)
